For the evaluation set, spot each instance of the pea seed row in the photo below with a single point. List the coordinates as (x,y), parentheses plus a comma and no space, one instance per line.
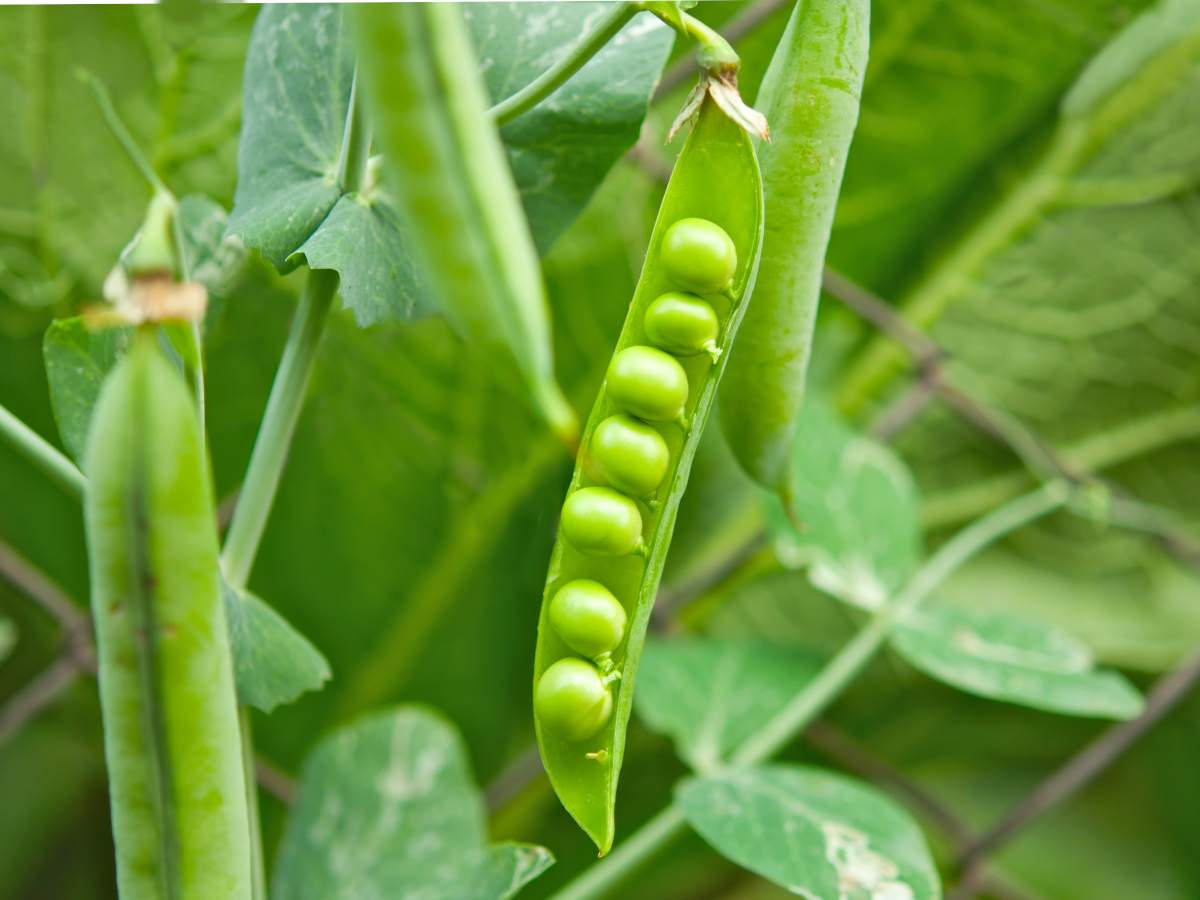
(637,452)
(631,457)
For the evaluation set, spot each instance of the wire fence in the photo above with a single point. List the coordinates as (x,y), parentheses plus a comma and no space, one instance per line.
(971,869)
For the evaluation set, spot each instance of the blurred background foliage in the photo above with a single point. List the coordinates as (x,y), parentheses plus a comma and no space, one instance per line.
(410,537)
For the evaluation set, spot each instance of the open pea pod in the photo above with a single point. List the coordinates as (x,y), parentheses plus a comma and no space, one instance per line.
(451,177)
(171,738)
(634,461)
(810,93)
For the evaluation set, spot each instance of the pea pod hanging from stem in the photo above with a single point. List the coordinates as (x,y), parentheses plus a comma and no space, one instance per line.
(171,734)
(450,173)
(633,468)
(811,94)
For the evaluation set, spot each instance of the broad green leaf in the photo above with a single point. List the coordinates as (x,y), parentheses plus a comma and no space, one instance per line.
(860,536)
(386,808)
(1140,611)
(213,258)
(812,832)
(272,662)
(1070,302)
(8,638)
(1019,660)
(298,79)
(561,149)
(78,359)
(709,695)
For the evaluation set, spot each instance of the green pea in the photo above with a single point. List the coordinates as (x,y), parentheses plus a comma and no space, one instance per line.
(700,255)
(600,521)
(629,455)
(716,177)
(589,619)
(572,699)
(682,324)
(648,383)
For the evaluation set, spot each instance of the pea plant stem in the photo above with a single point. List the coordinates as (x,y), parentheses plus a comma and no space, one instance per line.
(558,74)
(278,426)
(41,453)
(832,680)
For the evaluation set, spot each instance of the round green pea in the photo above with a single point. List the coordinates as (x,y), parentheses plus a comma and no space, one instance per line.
(648,383)
(589,619)
(630,455)
(572,699)
(699,255)
(682,324)
(599,520)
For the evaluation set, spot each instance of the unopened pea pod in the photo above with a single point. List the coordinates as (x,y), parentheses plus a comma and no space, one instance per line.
(639,443)
(171,738)
(450,174)
(810,94)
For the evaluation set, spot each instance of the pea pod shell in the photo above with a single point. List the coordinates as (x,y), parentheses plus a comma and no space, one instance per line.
(810,95)
(451,177)
(171,738)
(716,177)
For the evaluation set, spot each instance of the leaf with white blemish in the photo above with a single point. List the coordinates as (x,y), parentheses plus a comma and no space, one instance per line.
(859,535)
(387,809)
(812,832)
(1019,660)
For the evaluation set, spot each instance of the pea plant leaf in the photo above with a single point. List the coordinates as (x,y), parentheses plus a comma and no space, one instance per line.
(812,832)
(299,72)
(77,361)
(273,663)
(386,808)
(1011,658)
(709,695)
(1102,360)
(562,148)
(859,534)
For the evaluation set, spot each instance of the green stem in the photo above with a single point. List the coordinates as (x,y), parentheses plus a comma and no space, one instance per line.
(656,834)
(558,74)
(120,132)
(715,54)
(278,426)
(291,380)
(258,877)
(832,680)
(41,453)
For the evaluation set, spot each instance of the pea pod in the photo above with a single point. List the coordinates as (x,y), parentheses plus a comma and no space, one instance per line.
(171,736)
(810,93)
(451,176)
(582,738)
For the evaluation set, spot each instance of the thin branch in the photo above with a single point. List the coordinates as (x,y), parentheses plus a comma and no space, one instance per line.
(275,781)
(1077,772)
(904,410)
(37,695)
(35,584)
(524,770)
